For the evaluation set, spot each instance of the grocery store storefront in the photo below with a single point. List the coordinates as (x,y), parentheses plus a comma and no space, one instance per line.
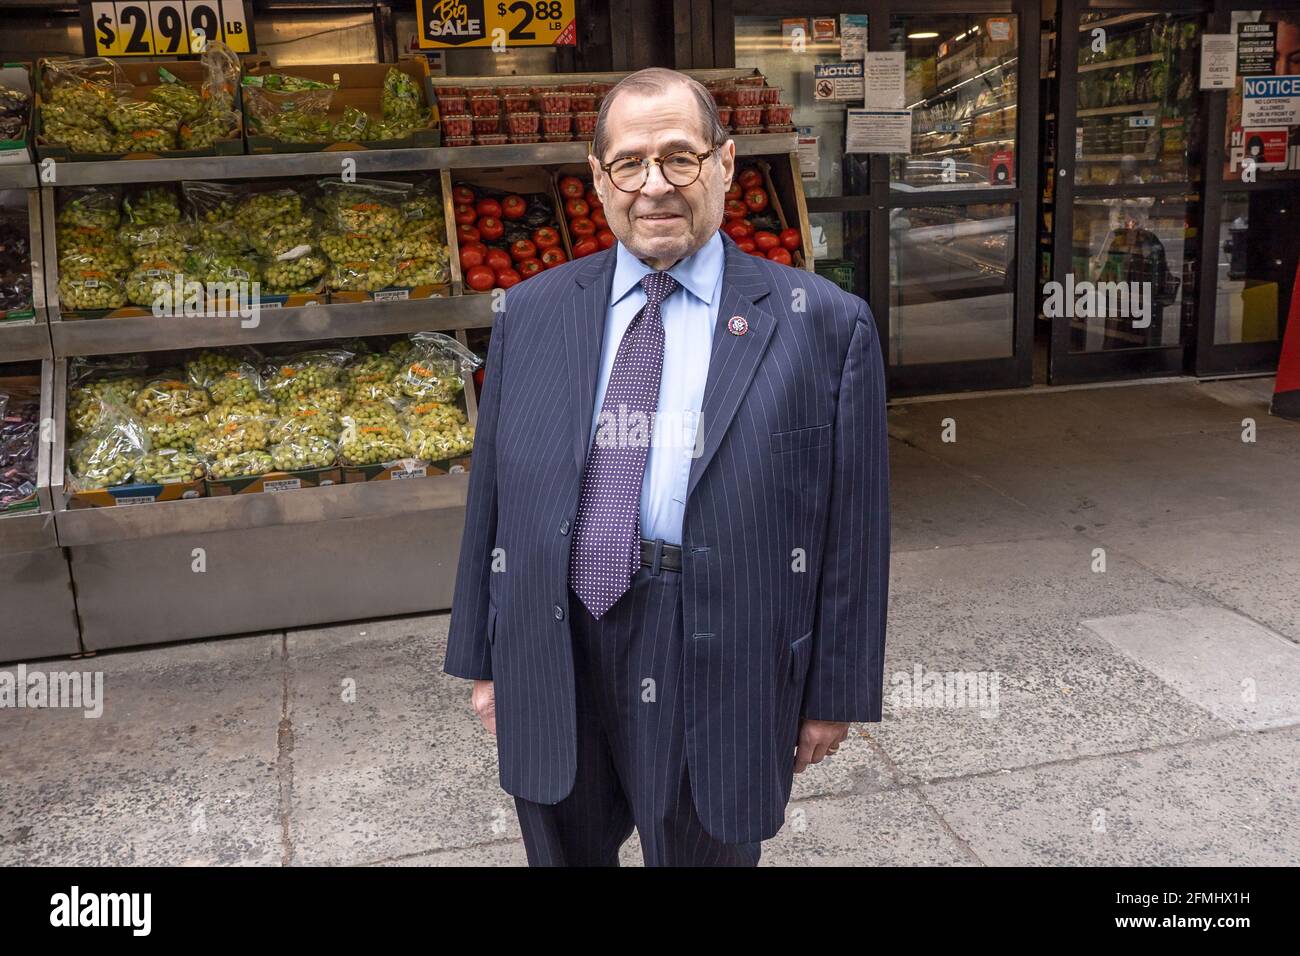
(1025,193)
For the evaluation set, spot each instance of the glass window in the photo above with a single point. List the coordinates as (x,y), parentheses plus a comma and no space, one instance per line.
(1137,98)
(952,283)
(840,249)
(1256,272)
(961,87)
(1131,281)
(784,50)
(1273,148)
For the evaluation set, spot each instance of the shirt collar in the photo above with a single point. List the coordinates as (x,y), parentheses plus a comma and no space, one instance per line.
(697,273)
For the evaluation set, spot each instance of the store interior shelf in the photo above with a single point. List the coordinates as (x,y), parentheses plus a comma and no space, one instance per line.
(370,499)
(18,176)
(300,324)
(31,531)
(1113,21)
(368,162)
(1116,110)
(1116,64)
(23,341)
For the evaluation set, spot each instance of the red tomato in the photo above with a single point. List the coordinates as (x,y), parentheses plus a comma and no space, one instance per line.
(462,194)
(750,178)
(593,200)
(585,247)
(490,228)
(508,277)
(582,227)
(766,240)
(598,217)
(782,255)
(576,208)
(488,207)
(746,245)
(605,239)
(530,267)
(735,209)
(571,187)
(498,259)
(468,233)
(470,256)
(480,278)
(482,249)
(735,190)
(791,239)
(553,257)
(546,238)
(513,207)
(738,229)
(465,215)
(522,249)
(756,200)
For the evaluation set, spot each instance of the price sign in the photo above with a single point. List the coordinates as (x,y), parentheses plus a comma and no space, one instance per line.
(164,27)
(466,23)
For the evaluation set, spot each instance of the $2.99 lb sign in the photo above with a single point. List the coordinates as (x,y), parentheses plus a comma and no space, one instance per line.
(163,27)
(460,23)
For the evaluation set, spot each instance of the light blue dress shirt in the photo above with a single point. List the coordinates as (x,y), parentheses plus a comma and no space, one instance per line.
(689,315)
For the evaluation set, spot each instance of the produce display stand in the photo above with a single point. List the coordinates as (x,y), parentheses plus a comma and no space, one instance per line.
(35,583)
(177,570)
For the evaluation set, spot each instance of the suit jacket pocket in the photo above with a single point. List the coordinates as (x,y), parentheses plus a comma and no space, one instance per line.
(800,656)
(801,439)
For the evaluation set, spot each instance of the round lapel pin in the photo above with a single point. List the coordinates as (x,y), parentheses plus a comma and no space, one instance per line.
(737,325)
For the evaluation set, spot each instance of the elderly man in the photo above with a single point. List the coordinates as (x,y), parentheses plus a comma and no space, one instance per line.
(665,622)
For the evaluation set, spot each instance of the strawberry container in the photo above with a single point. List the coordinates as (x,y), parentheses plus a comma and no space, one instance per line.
(512,91)
(724,115)
(555,101)
(582,102)
(522,124)
(458,140)
(485,104)
(487,124)
(442,91)
(557,123)
(777,114)
(525,138)
(517,102)
(576,88)
(490,139)
(557,137)
(460,125)
(584,124)
(747,116)
(769,94)
(747,130)
(453,104)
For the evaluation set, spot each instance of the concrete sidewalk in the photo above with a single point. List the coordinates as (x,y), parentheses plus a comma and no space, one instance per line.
(1113,570)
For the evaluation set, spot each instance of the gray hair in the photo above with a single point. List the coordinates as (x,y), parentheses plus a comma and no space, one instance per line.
(653,81)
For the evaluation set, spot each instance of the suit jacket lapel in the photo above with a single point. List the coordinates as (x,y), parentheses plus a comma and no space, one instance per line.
(584,332)
(734,358)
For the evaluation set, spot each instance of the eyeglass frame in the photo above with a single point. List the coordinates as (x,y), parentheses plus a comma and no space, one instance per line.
(658,161)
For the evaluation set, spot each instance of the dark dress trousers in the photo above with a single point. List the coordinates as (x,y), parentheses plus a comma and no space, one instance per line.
(785,565)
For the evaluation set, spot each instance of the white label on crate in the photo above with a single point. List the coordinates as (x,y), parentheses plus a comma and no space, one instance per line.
(136,500)
(1141,122)
(282,484)
(392,295)
(269,305)
(408,473)
(91,284)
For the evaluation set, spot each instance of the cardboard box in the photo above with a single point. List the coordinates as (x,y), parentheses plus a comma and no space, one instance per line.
(361,85)
(394,293)
(18,76)
(135,494)
(144,77)
(406,468)
(275,481)
(509,179)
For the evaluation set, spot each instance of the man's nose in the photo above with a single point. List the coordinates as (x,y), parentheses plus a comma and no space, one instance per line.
(655,183)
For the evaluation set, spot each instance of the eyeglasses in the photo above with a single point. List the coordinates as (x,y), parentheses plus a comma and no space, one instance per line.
(681,168)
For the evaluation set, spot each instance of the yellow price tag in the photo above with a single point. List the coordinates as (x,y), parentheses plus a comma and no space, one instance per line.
(496,23)
(167,27)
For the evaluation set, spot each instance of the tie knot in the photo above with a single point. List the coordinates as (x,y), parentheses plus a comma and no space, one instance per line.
(658,286)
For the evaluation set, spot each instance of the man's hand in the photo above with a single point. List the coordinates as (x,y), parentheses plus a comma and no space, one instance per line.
(818,739)
(484,699)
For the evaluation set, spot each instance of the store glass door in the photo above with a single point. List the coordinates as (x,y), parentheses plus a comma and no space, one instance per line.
(1123,297)
(960,201)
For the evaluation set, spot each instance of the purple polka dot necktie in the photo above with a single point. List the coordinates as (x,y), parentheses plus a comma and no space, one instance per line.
(607,533)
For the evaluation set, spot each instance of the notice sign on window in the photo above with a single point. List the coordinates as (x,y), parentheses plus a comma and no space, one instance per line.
(1256,48)
(1270,101)
(1218,61)
(878,131)
(884,80)
(838,82)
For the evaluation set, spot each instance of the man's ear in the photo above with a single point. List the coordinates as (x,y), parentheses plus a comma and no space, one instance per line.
(728,151)
(596,182)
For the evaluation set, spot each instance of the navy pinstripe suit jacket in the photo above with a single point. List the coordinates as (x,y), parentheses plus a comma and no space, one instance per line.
(785,538)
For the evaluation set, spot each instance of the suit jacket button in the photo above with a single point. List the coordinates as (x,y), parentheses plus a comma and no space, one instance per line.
(564,526)
(559,613)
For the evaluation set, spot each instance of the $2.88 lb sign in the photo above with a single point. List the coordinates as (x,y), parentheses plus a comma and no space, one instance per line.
(459,23)
(163,27)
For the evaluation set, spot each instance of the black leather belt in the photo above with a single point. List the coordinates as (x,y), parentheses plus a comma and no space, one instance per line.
(670,558)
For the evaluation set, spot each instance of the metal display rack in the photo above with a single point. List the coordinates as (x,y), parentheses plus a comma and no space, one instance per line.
(178,570)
